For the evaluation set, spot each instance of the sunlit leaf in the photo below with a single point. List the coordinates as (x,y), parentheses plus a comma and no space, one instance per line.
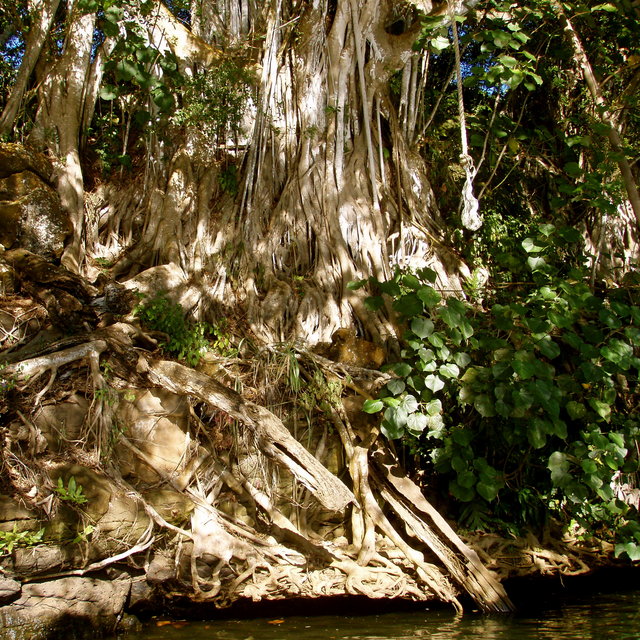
(422,327)
(372,406)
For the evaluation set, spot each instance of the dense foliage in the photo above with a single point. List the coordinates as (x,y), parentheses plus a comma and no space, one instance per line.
(524,399)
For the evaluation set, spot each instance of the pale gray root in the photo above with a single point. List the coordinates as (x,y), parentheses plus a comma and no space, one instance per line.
(273,438)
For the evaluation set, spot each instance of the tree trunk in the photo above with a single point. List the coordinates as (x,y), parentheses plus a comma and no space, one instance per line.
(41,15)
(60,116)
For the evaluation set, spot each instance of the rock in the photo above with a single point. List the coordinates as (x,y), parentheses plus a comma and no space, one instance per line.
(158,424)
(31,561)
(13,513)
(62,422)
(72,607)
(31,215)
(97,489)
(15,158)
(9,590)
(64,294)
(351,350)
(121,527)
(174,507)
(7,279)
(143,598)
(161,569)
(152,281)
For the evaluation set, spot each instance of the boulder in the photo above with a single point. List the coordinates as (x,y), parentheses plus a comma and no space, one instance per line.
(72,607)
(9,590)
(15,158)
(157,422)
(62,422)
(31,215)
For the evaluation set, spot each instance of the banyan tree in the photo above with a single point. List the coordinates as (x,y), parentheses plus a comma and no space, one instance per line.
(247,161)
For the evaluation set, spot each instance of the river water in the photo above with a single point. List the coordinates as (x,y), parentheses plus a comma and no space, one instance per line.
(596,617)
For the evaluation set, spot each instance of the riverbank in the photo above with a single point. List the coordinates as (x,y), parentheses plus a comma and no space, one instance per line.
(119,602)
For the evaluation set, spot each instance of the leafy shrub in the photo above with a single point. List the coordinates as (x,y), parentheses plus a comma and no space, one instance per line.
(525,407)
(73,492)
(214,101)
(187,341)
(9,540)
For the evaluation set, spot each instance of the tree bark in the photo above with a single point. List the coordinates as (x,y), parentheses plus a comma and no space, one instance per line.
(60,116)
(41,15)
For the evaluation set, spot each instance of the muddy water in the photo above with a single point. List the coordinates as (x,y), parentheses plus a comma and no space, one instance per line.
(598,617)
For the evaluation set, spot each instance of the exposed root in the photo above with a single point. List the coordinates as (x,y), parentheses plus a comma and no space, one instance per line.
(269,554)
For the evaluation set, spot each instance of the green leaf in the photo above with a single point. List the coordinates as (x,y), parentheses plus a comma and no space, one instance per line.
(108,92)
(163,99)
(354,285)
(467,479)
(391,288)
(536,263)
(576,410)
(436,340)
(126,70)
(603,409)
(463,437)
(449,370)
(409,404)
(508,61)
(429,296)
(425,273)
(411,282)
(373,303)
(630,548)
(548,347)
(461,359)
(434,407)
(530,246)
(402,369)
(484,405)
(617,439)
(559,467)
(396,387)
(537,433)
(607,6)
(464,494)
(488,490)
(524,368)
(417,423)
(618,352)
(395,421)
(422,327)
(466,329)
(434,382)
(609,318)
(391,430)
(372,406)
(409,305)
(426,355)
(439,44)
(450,316)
